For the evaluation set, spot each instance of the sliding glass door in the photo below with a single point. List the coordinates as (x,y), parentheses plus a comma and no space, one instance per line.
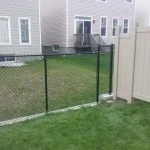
(83,29)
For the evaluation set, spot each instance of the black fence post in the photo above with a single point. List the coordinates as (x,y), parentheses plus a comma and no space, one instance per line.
(111,69)
(46,85)
(97,75)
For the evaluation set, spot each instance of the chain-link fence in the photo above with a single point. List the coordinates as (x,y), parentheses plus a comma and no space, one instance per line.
(35,84)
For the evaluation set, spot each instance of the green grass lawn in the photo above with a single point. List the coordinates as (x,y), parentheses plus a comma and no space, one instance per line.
(116,126)
(71,81)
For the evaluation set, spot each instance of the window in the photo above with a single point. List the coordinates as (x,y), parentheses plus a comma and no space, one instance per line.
(5,37)
(129,1)
(114,26)
(103,29)
(83,25)
(25,31)
(5,58)
(125,26)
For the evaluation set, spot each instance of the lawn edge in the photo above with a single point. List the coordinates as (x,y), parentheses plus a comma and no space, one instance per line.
(22,119)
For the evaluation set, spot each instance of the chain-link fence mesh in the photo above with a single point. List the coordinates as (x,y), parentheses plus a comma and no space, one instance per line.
(105,69)
(71,80)
(21,88)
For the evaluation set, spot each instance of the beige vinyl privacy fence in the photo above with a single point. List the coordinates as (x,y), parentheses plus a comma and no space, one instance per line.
(132,65)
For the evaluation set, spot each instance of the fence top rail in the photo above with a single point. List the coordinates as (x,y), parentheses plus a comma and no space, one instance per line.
(106,45)
(7,55)
(123,36)
(59,54)
(142,30)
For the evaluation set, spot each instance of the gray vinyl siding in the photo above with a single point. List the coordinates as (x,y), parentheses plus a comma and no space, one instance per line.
(21,8)
(53,22)
(113,8)
(54,18)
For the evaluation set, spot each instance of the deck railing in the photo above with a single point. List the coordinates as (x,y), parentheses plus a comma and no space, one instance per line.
(82,40)
(89,40)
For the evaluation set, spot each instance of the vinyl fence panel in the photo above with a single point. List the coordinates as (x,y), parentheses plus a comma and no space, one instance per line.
(132,66)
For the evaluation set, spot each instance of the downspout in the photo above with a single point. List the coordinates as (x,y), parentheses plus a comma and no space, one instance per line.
(67,11)
(40,27)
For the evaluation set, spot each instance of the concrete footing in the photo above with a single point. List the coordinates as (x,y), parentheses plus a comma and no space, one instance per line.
(106,97)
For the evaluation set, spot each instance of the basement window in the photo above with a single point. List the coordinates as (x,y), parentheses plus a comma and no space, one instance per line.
(7,58)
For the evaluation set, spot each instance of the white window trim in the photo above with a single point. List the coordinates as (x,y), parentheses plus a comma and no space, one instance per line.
(106,24)
(75,24)
(100,1)
(20,41)
(9,31)
(124,27)
(112,25)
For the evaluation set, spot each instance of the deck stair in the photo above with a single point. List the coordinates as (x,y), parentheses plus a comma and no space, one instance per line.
(89,42)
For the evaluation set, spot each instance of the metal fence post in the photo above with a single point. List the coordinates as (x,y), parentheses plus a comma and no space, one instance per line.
(46,85)
(111,69)
(97,75)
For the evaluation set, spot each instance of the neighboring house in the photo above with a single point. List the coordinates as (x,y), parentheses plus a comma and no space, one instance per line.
(74,23)
(19,28)
(68,25)
(142,13)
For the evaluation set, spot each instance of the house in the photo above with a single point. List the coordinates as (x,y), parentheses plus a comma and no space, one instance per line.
(73,24)
(19,28)
(142,13)
(65,25)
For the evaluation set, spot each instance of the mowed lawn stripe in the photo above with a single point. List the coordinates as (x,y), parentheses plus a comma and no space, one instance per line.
(106,126)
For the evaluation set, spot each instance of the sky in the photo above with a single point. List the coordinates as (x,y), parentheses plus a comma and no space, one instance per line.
(143,4)
(143,12)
